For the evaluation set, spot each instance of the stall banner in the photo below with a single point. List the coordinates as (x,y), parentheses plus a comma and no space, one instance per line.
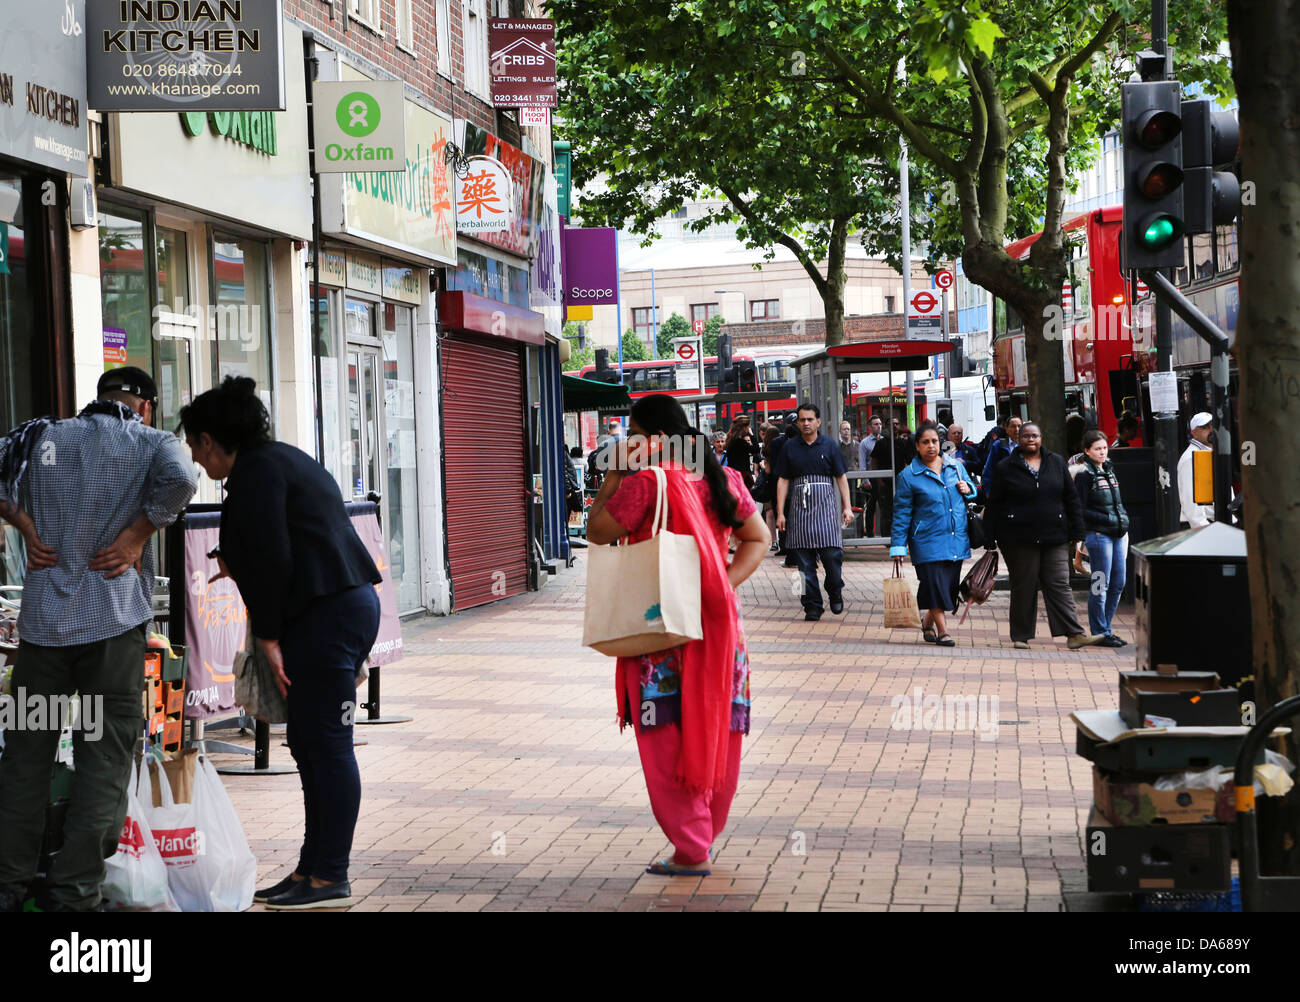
(388,644)
(184,55)
(215,624)
(528,177)
(522,62)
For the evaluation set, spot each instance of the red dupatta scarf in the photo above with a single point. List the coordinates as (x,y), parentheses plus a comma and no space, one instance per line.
(708,664)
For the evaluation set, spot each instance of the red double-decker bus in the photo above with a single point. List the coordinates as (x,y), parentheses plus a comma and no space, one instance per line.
(1108,327)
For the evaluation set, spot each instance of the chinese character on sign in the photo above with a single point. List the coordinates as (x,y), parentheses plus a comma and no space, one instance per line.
(483,197)
(479,192)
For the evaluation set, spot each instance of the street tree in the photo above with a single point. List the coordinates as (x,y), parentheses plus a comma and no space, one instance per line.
(634,349)
(1265,36)
(578,357)
(674,326)
(996,106)
(653,130)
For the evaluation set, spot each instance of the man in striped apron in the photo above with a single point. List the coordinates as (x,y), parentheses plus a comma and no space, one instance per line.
(811,474)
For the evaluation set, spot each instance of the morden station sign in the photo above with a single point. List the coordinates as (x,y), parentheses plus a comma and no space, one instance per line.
(184,55)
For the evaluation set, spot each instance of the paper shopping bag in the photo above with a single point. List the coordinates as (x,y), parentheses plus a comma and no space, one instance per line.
(900,603)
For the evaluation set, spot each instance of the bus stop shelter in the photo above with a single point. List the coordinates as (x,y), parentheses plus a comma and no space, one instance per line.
(821,377)
(692,403)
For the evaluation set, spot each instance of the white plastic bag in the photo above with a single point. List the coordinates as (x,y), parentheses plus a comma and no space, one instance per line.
(137,875)
(227,862)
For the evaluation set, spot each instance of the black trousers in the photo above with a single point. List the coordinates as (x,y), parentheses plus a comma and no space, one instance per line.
(1035,567)
(832,558)
(323,648)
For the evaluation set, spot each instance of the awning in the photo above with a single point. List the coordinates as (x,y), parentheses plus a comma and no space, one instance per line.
(593,395)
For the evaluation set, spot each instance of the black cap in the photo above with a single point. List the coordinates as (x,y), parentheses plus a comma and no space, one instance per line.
(128,379)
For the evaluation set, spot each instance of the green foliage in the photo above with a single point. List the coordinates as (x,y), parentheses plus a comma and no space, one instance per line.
(578,358)
(634,349)
(710,337)
(674,326)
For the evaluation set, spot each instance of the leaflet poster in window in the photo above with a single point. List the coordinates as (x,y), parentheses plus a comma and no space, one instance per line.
(522,62)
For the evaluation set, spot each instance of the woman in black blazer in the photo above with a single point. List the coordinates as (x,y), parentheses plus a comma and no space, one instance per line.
(308,583)
(1033,513)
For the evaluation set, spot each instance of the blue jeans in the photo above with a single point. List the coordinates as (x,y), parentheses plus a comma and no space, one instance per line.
(322,650)
(832,557)
(1107,557)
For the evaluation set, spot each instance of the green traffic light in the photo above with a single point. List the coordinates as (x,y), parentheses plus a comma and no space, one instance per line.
(1160,232)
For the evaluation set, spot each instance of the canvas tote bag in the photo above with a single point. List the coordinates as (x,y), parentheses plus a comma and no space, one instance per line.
(644,597)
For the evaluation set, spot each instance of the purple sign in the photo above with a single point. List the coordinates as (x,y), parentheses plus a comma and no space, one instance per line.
(590,263)
(114,347)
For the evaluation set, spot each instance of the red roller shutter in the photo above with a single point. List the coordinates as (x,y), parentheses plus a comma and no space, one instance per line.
(487,520)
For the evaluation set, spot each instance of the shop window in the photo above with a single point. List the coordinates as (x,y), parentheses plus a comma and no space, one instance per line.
(128,298)
(175,324)
(17,329)
(403,520)
(241,286)
(323,303)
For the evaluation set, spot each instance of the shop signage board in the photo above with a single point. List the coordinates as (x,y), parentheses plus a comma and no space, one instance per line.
(527,179)
(538,118)
(563,175)
(360,126)
(408,212)
(190,157)
(522,62)
(546,293)
(590,262)
(333,268)
(365,274)
(401,283)
(184,55)
(43,83)
(484,197)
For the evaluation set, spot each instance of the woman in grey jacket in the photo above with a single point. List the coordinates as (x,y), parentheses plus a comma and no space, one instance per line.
(1107,523)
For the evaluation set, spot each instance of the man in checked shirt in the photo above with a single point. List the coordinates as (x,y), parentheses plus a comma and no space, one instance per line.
(87,494)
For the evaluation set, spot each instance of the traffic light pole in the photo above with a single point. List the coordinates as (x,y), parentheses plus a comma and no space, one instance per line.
(1167,440)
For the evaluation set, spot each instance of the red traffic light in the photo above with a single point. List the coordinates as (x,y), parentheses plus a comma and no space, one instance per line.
(1159,180)
(1155,128)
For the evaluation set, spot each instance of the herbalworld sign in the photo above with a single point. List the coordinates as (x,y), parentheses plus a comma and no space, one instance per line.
(184,55)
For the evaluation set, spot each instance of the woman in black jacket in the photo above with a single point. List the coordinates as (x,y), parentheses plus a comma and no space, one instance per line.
(307,581)
(1107,523)
(1033,513)
(741,450)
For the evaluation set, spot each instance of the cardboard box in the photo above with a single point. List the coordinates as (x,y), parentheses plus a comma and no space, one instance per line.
(1106,740)
(1126,801)
(1191,698)
(1157,857)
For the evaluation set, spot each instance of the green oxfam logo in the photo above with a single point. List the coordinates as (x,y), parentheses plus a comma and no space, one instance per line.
(358,114)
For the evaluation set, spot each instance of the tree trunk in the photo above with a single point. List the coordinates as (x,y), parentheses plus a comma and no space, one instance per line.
(836,280)
(1045,363)
(1265,36)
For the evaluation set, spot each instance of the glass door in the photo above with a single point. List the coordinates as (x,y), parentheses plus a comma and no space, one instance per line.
(364,421)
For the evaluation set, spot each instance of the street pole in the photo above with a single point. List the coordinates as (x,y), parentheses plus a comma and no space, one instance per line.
(1167,440)
(907,262)
(654,318)
(312,64)
(947,339)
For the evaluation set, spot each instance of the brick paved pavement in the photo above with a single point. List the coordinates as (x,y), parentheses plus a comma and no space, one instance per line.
(512,789)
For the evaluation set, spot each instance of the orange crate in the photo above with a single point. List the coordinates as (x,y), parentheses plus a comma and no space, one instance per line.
(172,733)
(175,698)
(156,722)
(153,665)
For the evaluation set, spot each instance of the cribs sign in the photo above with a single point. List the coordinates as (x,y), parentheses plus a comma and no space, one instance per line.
(483,197)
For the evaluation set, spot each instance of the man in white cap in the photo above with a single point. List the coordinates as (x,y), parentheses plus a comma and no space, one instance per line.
(1195,515)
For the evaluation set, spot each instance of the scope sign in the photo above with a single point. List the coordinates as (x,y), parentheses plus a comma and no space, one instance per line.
(360,126)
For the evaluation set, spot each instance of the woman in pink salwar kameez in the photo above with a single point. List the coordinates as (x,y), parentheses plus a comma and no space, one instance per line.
(689,705)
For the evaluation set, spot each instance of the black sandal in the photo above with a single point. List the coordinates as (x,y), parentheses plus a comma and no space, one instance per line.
(944,640)
(928,635)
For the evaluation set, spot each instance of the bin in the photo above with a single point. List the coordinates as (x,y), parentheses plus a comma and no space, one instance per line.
(1193,603)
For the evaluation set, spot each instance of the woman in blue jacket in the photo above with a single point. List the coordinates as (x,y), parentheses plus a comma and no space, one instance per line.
(930,522)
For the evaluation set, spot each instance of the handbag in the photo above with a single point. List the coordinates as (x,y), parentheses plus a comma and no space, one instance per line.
(255,686)
(900,603)
(762,489)
(644,597)
(977,585)
(975,530)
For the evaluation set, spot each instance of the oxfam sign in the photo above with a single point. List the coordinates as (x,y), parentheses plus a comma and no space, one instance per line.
(360,126)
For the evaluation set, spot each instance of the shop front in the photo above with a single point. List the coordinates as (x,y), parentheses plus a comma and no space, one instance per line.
(43,151)
(196,271)
(378,383)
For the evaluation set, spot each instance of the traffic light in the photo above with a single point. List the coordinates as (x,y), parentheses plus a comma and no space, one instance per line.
(1210,139)
(726,374)
(1154,221)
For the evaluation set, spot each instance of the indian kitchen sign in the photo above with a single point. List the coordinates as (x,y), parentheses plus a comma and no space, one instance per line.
(184,55)
(522,62)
